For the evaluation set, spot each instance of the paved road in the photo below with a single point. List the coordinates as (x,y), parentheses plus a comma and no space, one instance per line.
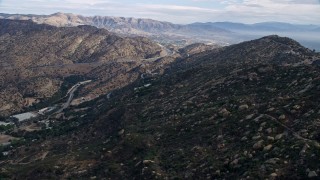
(67,104)
(71,92)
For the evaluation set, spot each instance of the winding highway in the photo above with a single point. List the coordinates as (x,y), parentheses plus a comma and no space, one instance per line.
(71,92)
(74,88)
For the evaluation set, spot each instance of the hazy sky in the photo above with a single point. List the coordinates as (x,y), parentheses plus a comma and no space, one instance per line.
(178,11)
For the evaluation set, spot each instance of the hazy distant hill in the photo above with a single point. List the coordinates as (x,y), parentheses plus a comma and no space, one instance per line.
(264,26)
(307,35)
(316,29)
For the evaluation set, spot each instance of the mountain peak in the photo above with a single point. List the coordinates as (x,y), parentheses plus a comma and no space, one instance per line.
(282,40)
(62,14)
(271,49)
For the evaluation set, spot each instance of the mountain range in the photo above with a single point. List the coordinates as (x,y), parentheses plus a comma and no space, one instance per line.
(221,33)
(265,26)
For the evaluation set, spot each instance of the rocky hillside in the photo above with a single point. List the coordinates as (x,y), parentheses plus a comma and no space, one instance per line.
(196,48)
(35,58)
(266,50)
(244,111)
(24,43)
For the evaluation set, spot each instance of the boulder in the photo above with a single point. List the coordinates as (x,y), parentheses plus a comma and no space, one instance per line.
(256,137)
(274,175)
(250,116)
(279,136)
(243,107)
(224,113)
(270,138)
(272,161)
(312,174)
(258,145)
(296,107)
(121,132)
(147,161)
(282,117)
(267,148)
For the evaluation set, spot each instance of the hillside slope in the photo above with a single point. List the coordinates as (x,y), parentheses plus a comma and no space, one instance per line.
(245,111)
(35,58)
(24,43)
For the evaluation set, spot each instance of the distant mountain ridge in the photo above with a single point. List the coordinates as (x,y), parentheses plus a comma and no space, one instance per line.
(134,26)
(221,33)
(263,26)
(149,25)
(307,35)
